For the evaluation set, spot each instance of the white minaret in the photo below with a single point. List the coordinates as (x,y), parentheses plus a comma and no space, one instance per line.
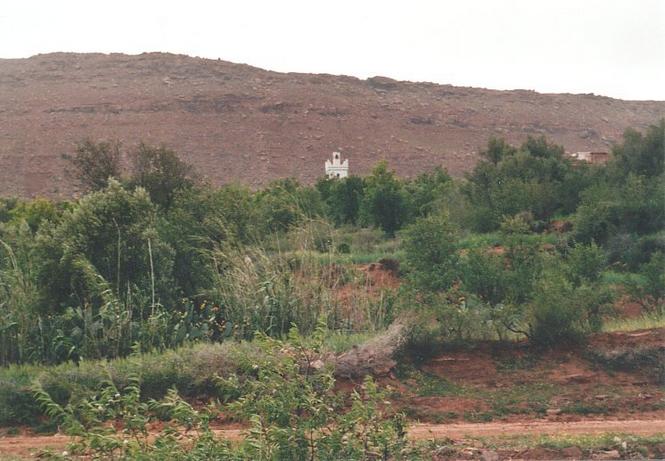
(336,168)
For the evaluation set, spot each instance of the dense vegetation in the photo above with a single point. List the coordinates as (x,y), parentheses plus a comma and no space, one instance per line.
(528,245)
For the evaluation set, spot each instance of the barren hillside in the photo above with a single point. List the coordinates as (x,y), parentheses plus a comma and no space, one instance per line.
(239,123)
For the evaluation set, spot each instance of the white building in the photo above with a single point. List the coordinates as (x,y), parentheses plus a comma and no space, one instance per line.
(596,158)
(336,168)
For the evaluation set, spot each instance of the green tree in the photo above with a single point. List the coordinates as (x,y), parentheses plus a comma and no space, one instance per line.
(428,191)
(161,172)
(108,238)
(430,246)
(342,197)
(535,178)
(285,203)
(201,220)
(641,154)
(93,163)
(384,204)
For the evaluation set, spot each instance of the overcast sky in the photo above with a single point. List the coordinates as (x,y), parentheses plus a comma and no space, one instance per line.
(609,47)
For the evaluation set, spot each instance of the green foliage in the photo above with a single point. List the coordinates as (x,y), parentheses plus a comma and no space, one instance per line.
(108,245)
(94,163)
(529,179)
(431,252)
(343,198)
(585,263)
(385,202)
(650,292)
(562,313)
(428,191)
(641,154)
(518,224)
(173,262)
(635,205)
(290,402)
(285,203)
(296,415)
(161,172)
(200,220)
(186,436)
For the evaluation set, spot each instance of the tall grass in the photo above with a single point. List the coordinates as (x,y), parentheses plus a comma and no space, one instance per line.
(18,296)
(270,292)
(645,321)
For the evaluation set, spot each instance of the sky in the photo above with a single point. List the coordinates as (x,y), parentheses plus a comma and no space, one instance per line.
(609,47)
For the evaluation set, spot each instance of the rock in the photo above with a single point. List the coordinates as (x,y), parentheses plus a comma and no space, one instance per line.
(539,453)
(601,397)
(608,454)
(489,455)
(318,364)
(553,411)
(572,452)
(579,378)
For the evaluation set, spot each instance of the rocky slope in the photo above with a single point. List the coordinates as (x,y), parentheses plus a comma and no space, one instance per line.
(239,123)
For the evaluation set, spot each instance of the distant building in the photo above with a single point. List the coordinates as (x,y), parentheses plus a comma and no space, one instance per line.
(595,158)
(336,168)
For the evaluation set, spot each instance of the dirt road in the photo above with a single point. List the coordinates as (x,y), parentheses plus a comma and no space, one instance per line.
(28,445)
(636,427)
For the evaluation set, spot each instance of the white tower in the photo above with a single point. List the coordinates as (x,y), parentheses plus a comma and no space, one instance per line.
(336,168)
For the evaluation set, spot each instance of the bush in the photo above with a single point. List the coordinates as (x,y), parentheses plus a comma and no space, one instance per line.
(431,252)
(343,248)
(650,292)
(563,314)
(585,263)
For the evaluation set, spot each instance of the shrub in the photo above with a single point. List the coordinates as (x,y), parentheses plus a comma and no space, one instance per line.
(585,263)
(290,403)
(651,291)
(563,314)
(343,248)
(295,413)
(431,252)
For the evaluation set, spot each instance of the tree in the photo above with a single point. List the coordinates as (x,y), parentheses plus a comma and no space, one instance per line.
(200,220)
(161,172)
(108,241)
(641,154)
(534,178)
(384,204)
(285,203)
(343,197)
(497,149)
(430,245)
(427,191)
(93,164)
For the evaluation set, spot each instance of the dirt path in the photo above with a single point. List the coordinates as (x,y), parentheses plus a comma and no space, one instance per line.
(25,446)
(636,427)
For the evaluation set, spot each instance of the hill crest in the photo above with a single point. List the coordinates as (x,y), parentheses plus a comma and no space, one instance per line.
(235,122)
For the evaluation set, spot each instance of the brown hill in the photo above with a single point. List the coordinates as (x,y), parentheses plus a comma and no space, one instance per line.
(236,122)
